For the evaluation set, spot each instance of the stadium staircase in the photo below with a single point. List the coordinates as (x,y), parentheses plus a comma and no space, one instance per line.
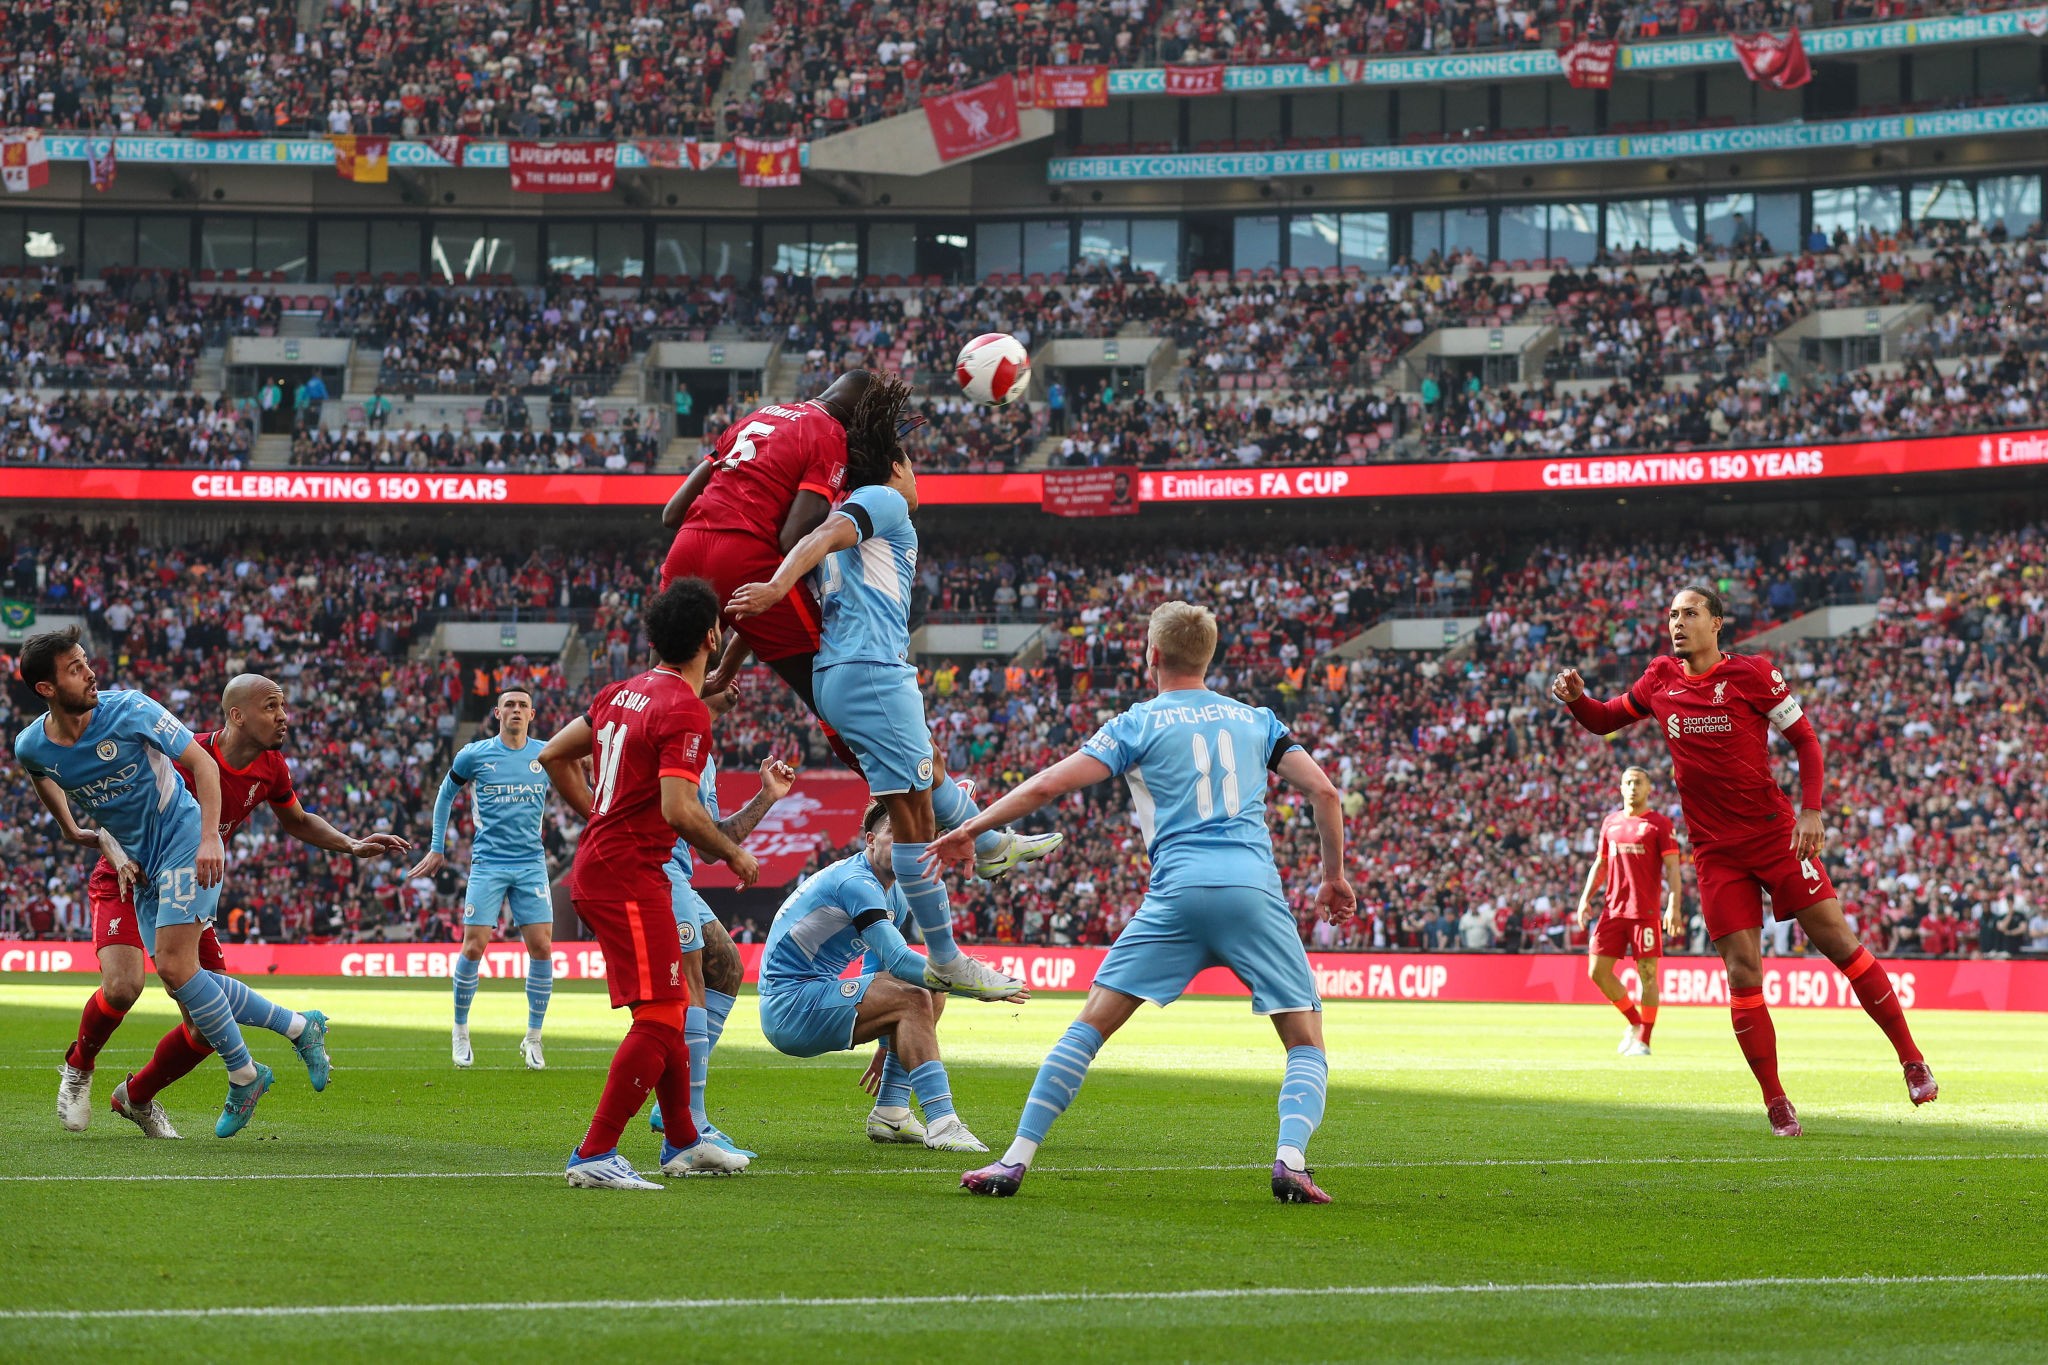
(271,452)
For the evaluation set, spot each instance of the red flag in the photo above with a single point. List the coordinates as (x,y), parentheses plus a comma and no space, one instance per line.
(1589,64)
(449,148)
(1072,87)
(769,163)
(365,160)
(973,121)
(563,167)
(1777,62)
(1195,80)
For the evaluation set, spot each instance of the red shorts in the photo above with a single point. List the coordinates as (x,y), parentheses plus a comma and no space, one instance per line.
(643,955)
(729,562)
(1734,877)
(1626,938)
(113,920)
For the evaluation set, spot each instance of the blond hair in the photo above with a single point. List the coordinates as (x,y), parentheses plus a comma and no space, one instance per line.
(1185,636)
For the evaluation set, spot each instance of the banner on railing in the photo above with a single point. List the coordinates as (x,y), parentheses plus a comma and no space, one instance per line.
(564,167)
(1105,492)
(1471,978)
(1444,478)
(969,122)
(1070,87)
(1195,80)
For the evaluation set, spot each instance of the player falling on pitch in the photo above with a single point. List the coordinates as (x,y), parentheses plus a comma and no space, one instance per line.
(1196,763)
(1636,862)
(508,865)
(1716,711)
(853,908)
(114,755)
(648,739)
(248,751)
(865,558)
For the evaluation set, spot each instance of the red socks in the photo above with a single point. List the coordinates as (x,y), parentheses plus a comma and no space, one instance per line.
(1757,1039)
(177,1053)
(96,1024)
(1628,1011)
(646,1056)
(1649,1013)
(673,1089)
(1873,986)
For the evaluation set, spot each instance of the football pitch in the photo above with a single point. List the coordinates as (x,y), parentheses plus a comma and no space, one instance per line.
(1506,1189)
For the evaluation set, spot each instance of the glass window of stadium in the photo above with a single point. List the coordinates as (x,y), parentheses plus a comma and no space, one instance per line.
(1949,201)
(1541,232)
(1140,244)
(265,244)
(1257,242)
(714,249)
(1338,239)
(109,243)
(1855,208)
(1048,246)
(811,249)
(472,247)
(163,242)
(1740,217)
(1652,225)
(379,246)
(2014,200)
(998,249)
(572,249)
(905,249)
(11,230)
(1448,230)
(50,239)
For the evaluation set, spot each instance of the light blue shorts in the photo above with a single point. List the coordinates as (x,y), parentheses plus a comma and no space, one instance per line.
(173,895)
(692,914)
(525,885)
(812,1018)
(877,709)
(1245,928)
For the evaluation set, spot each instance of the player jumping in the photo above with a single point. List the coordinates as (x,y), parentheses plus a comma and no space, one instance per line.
(648,738)
(865,554)
(1716,711)
(507,865)
(1636,857)
(807,1010)
(113,755)
(247,750)
(1189,755)
(711,963)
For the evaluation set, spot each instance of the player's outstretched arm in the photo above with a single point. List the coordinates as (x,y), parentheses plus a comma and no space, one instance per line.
(1601,717)
(678,508)
(685,813)
(563,758)
(891,953)
(211,864)
(53,799)
(308,828)
(436,856)
(1336,900)
(838,533)
(777,778)
(1070,774)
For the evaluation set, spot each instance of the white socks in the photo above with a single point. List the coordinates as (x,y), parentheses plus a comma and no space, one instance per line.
(1020,1153)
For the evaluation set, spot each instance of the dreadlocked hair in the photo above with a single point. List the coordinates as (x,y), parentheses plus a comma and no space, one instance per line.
(872,445)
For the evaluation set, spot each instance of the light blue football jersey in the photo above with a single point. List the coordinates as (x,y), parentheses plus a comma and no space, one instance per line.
(120,772)
(684,856)
(1196,764)
(864,592)
(508,800)
(813,937)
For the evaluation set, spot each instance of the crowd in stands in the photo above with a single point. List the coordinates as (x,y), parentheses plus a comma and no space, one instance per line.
(1471,799)
(487,451)
(124,428)
(448,340)
(135,330)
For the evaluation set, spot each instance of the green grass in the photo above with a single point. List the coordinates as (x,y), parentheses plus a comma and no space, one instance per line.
(1465,1146)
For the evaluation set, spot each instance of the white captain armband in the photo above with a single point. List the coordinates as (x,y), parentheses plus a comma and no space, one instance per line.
(1785,715)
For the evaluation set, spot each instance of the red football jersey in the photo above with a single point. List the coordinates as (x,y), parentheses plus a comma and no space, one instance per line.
(762,462)
(267,778)
(1717,726)
(644,729)
(1634,847)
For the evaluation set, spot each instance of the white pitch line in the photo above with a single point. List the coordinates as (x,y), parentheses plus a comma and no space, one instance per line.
(1480,1163)
(1081,1296)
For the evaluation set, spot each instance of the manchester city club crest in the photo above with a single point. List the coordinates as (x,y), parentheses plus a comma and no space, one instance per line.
(534,766)
(687,932)
(106,750)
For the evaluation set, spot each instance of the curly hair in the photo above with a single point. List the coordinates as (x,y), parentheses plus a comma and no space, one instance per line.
(874,442)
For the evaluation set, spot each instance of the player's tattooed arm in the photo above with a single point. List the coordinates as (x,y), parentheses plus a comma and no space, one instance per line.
(563,758)
(685,813)
(52,797)
(777,778)
(1335,899)
(838,533)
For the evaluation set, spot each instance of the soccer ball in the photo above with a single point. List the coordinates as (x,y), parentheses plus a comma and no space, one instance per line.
(994,369)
